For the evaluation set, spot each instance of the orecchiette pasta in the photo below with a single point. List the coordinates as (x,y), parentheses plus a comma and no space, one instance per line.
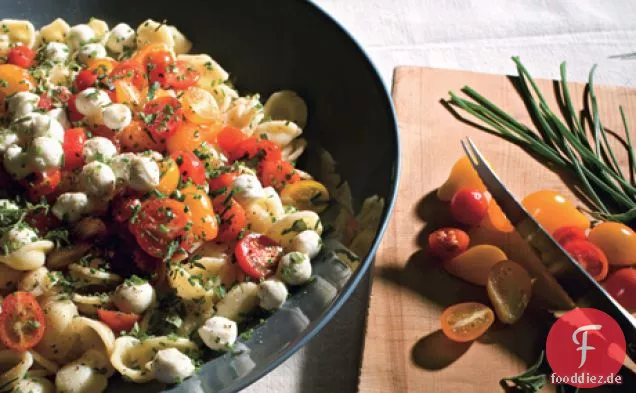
(16,364)
(62,257)
(88,374)
(55,31)
(244,113)
(153,32)
(224,95)
(59,336)
(29,257)
(262,213)
(285,229)
(93,334)
(281,132)
(100,28)
(88,304)
(286,105)
(19,31)
(49,366)
(39,282)
(191,282)
(92,274)
(34,384)
(211,73)
(181,43)
(293,151)
(239,301)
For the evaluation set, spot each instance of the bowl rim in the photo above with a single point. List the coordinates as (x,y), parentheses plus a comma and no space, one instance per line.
(316,326)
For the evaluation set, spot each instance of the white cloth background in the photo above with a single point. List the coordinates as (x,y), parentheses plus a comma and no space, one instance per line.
(477,35)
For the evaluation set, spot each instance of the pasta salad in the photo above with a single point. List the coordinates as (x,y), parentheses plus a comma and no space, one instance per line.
(149,211)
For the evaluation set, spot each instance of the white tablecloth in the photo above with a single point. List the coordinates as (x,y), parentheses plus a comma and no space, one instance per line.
(477,35)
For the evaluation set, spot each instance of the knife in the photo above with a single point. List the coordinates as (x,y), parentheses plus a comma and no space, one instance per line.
(581,288)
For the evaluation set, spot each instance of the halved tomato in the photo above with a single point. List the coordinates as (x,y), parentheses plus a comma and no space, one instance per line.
(22,321)
(117,321)
(257,255)
(158,224)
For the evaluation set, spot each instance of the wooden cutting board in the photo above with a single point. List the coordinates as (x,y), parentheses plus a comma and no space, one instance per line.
(404,349)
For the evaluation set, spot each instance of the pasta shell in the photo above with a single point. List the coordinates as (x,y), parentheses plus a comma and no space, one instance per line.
(62,257)
(55,31)
(224,95)
(88,304)
(293,151)
(153,32)
(100,28)
(190,283)
(91,275)
(21,31)
(244,113)
(48,365)
(285,229)
(39,282)
(58,338)
(211,73)
(181,43)
(94,334)
(263,212)
(16,365)
(34,384)
(239,301)
(281,132)
(287,105)
(29,257)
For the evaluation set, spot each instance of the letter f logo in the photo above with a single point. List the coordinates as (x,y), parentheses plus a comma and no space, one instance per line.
(584,347)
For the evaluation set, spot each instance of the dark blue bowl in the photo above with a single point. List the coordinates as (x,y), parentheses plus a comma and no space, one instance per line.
(269,46)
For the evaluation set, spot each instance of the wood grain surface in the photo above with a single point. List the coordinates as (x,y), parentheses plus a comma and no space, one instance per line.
(404,349)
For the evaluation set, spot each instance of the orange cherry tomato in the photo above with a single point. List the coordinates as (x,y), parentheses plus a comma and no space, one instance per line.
(135,138)
(564,235)
(469,206)
(22,321)
(590,257)
(117,321)
(159,223)
(622,286)
(254,147)
(465,322)
(101,67)
(618,242)
(204,224)
(130,71)
(474,264)
(447,243)
(257,255)
(170,176)
(277,174)
(190,136)
(15,79)
(229,138)
(233,219)
(553,211)
(462,175)
(509,288)
(496,220)
(126,93)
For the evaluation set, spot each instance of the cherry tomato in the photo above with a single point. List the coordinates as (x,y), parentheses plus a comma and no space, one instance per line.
(190,166)
(41,184)
(158,223)
(257,255)
(101,67)
(136,138)
(204,224)
(474,264)
(277,174)
(618,242)
(469,206)
(622,286)
(45,102)
(117,321)
(21,56)
(509,288)
(252,147)
(71,110)
(221,185)
(190,136)
(22,321)
(181,75)
(84,80)
(158,59)
(465,322)
(162,117)
(552,210)
(566,234)
(58,96)
(145,262)
(590,257)
(233,219)
(447,243)
(15,79)
(229,138)
(42,222)
(74,139)
(169,180)
(130,71)
(124,208)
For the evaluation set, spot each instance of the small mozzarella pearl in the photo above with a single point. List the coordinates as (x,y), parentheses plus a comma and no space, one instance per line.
(117,116)
(120,37)
(90,101)
(79,35)
(97,179)
(98,149)
(45,153)
(91,51)
(56,52)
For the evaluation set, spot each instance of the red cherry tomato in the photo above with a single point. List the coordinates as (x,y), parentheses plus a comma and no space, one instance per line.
(157,59)
(21,56)
(131,71)
(180,76)
(190,166)
(622,286)
(229,138)
(277,174)
(84,80)
(117,321)
(71,110)
(158,223)
(43,183)
(232,219)
(447,243)
(45,102)
(42,222)
(590,257)
(565,234)
(124,208)
(22,321)
(74,139)
(162,117)
(221,185)
(257,255)
(253,147)
(469,206)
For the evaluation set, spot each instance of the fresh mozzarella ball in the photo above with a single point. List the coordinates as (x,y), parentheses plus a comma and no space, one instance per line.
(8,204)
(18,237)
(98,149)
(22,103)
(97,179)
(16,162)
(144,174)
(80,378)
(294,268)
(120,37)
(134,296)
(308,242)
(46,126)
(171,366)
(116,116)
(34,385)
(7,138)
(247,188)
(71,206)
(120,164)
(91,51)
(90,101)
(80,35)
(59,114)
(45,153)
(272,294)
(219,333)
(56,52)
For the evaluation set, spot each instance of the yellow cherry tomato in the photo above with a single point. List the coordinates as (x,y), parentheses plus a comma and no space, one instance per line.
(462,175)
(306,195)
(169,176)
(204,223)
(101,67)
(14,79)
(199,105)
(134,138)
(474,264)
(189,136)
(617,241)
(509,288)
(553,211)
(495,219)
(465,322)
